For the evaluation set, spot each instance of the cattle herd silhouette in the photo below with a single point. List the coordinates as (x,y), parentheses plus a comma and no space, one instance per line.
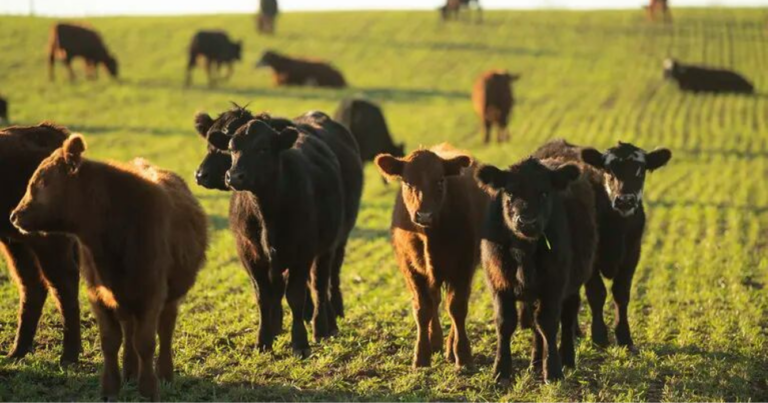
(564,218)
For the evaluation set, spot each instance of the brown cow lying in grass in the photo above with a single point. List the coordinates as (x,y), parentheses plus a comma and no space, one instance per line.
(69,41)
(38,264)
(145,237)
(290,71)
(436,235)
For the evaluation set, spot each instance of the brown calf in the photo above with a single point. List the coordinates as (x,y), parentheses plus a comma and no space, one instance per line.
(493,101)
(289,71)
(658,7)
(68,41)
(145,237)
(38,264)
(436,235)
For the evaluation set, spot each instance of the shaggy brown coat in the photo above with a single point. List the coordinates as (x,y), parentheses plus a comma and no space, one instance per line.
(436,225)
(145,236)
(38,264)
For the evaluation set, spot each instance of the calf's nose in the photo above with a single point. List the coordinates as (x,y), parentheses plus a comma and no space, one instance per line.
(423,218)
(200,176)
(14,217)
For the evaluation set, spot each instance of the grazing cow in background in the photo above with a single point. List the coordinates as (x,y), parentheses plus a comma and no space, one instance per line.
(288,71)
(145,237)
(452,8)
(539,243)
(38,264)
(658,7)
(706,79)
(68,41)
(211,174)
(265,20)
(217,49)
(493,101)
(436,235)
(617,177)
(366,122)
(4,111)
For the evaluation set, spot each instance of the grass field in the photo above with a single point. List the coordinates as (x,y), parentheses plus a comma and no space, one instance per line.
(699,311)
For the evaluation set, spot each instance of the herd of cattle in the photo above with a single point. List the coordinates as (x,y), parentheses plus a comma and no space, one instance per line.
(564,218)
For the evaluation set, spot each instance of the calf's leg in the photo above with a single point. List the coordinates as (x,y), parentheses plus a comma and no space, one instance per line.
(130,357)
(547,318)
(337,300)
(111,337)
(435,330)
(24,269)
(144,334)
(423,310)
(165,328)
(59,261)
(569,317)
(506,322)
(320,280)
(596,293)
(457,299)
(621,289)
(296,294)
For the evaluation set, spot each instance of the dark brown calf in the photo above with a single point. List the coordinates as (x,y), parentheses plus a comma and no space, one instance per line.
(493,101)
(436,235)
(38,264)
(68,41)
(145,237)
(288,71)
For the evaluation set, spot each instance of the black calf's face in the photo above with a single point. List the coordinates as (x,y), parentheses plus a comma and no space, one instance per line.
(255,150)
(624,168)
(217,134)
(526,190)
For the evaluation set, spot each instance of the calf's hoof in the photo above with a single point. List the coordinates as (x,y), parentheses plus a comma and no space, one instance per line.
(600,339)
(264,347)
(68,359)
(503,382)
(421,362)
(302,352)
(18,353)
(553,376)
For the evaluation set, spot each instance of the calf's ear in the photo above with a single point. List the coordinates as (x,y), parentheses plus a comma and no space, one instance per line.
(563,176)
(454,165)
(514,77)
(287,138)
(219,140)
(390,167)
(593,157)
(74,146)
(203,122)
(657,159)
(491,179)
